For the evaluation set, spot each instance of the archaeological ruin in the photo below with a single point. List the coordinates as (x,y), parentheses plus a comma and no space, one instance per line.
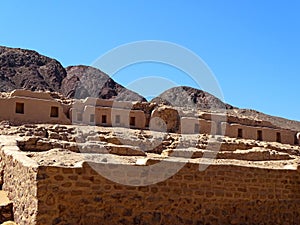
(96,161)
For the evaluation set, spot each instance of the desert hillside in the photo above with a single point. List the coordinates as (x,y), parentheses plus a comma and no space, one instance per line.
(21,68)
(87,81)
(27,69)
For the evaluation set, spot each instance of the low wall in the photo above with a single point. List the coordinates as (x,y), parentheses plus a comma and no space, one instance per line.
(220,195)
(20,181)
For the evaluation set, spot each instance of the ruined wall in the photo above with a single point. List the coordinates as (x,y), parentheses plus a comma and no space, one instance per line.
(165,118)
(20,181)
(220,195)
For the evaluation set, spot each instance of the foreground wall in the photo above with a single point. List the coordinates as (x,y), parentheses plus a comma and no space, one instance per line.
(222,194)
(19,177)
(219,195)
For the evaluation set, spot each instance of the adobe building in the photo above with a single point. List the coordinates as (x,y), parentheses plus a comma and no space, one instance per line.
(23,106)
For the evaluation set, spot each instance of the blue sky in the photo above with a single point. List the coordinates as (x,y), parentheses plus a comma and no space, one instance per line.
(252,46)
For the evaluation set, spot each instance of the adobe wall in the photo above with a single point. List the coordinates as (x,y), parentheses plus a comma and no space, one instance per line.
(36,108)
(189,125)
(105,103)
(31,94)
(110,114)
(232,119)
(35,111)
(222,194)
(268,134)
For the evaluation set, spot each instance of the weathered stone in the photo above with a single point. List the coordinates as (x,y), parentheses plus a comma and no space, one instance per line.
(125,150)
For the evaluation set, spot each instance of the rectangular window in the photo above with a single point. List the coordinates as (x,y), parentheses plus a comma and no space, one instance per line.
(197,128)
(92,118)
(19,107)
(54,111)
(118,119)
(259,135)
(132,121)
(296,142)
(79,116)
(240,133)
(219,128)
(278,137)
(104,119)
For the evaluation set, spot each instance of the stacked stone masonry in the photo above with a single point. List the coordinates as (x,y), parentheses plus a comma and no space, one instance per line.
(225,194)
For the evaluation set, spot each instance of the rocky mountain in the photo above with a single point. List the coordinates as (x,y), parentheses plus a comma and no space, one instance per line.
(27,69)
(84,81)
(20,68)
(184,96)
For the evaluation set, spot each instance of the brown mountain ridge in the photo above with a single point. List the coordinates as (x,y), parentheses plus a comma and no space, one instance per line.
(27,69)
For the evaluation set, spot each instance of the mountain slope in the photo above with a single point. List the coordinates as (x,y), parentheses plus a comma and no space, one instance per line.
(27,69)
(86,81)
(184,96)
(21,68)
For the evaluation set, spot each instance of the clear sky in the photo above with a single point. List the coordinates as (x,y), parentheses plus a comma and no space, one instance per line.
(252,46)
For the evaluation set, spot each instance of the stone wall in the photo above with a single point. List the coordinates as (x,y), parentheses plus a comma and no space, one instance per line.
(20,181)
(222,194)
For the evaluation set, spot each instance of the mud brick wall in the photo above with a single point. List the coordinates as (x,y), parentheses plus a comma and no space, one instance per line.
(268,134)
(222,194)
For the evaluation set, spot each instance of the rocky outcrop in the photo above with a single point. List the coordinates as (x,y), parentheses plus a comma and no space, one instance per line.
(27,69)
(86,81)
(165,118)
(190,97)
